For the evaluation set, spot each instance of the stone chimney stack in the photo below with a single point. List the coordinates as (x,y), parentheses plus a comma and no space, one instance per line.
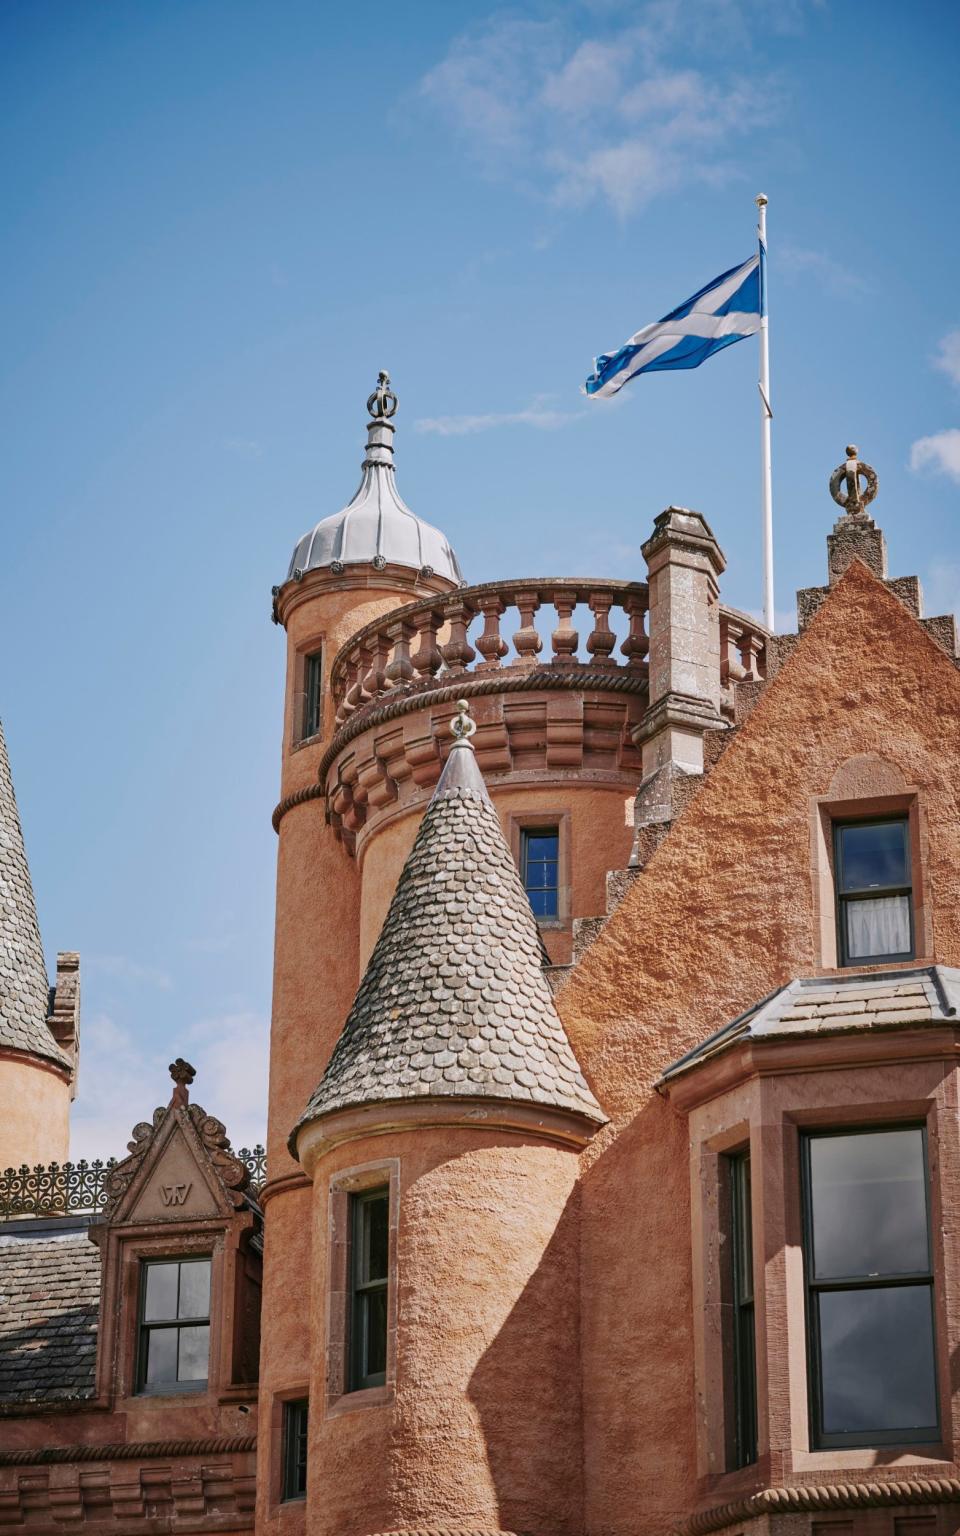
(684,562)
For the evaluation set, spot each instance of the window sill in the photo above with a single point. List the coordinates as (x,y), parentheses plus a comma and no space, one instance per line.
(868,1459)
(308,741)
(364,1397)
(186,1389)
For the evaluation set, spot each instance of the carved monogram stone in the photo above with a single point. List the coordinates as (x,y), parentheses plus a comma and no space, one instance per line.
(175,1194)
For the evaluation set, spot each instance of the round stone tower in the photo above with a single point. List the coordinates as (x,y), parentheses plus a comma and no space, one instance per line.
(444,1383)
(35,1073)
(349,570)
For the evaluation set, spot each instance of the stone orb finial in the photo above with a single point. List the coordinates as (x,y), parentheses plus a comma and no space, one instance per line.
(462,726)
(845,485)
(382,404)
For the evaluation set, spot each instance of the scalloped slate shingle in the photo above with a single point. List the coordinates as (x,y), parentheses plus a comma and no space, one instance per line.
(24,989)
(454,1002)
(49,1296)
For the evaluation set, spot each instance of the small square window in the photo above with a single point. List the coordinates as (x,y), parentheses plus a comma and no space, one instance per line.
(369,1281)
(540,869)
(295,1416)
(874,891)
(174,1325)
(312,694)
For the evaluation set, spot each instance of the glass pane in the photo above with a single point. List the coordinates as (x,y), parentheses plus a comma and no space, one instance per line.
(544,903)
(874,856)
(194,1353)
(161,1356)
(541,845)
(195,1289)
(376,1332)
(869,1205)
(880,927)
(160,1302)
(742,1230)
(876,1360)
(375,1256)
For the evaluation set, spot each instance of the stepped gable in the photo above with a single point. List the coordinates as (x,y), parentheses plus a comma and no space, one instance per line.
(50,1290)
(24,988)
(454,1002)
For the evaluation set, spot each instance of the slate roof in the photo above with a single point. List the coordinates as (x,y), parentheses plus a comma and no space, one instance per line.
(24,989)
(817,1005)
(454,1002)
(49,1295)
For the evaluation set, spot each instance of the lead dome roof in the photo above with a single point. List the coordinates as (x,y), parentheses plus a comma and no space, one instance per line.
(376,527)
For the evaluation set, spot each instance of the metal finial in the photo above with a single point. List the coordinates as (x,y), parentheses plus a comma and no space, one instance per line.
(845,484)
(382,404)
(761,200)
(462,726)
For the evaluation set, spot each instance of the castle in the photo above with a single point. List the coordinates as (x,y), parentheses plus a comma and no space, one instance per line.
(613,1152)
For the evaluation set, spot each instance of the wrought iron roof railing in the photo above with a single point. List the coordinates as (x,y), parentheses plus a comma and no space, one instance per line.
(68,1189)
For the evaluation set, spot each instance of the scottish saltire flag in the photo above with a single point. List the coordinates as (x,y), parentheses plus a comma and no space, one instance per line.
(727,310)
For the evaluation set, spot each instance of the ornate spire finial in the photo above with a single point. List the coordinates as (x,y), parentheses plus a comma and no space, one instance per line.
(183,1075)
(845,484)
(382,404)
(462,726)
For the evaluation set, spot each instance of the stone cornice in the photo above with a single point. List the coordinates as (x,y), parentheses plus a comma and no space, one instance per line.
(356,577)
(813,1497)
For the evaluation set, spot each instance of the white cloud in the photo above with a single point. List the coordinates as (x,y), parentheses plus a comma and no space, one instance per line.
(797,261)
(948,356)
(123,1078)
(123,968)
(620,115)
(939,452)
(538,415)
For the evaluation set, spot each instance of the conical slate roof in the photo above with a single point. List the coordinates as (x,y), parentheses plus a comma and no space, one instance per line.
(24,989)
(454,1002)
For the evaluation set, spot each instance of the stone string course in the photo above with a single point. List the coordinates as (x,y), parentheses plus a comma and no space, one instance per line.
(814,1497)
(454,1002)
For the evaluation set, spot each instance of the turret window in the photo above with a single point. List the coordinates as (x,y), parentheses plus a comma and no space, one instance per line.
(370,1263)
(312,694)
(174,1325)
(540,869)
(869,1288)
(295,1449)
(874,891)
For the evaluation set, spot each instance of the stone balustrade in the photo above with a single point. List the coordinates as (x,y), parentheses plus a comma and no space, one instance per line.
(743,648)
(436,640)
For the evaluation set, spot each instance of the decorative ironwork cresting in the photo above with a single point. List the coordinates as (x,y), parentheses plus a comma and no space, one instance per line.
(80,1189)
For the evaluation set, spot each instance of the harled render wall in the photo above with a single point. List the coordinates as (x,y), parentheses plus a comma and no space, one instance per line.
(725,911)
(35,1122)
(481,1431)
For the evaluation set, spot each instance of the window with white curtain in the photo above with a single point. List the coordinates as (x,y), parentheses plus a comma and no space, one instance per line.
(874,891)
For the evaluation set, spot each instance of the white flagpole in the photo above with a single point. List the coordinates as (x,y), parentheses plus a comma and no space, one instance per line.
(766,416)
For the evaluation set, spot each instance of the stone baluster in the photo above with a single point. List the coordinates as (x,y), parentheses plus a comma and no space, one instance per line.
(353,697)
(427,659)
(375,678)
(343,688)
(753,655)
(458,652)
(565,639)
(400,671)
(636,645)
(602,639)
(526,640)
(731,636)
(491,643)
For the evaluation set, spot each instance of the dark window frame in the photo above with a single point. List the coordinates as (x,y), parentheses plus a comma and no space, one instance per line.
(312,693)
(873,893)
(361,1290)
(293,1485)
(144,1329)
(857,1439)
(744,1338)
(547,829)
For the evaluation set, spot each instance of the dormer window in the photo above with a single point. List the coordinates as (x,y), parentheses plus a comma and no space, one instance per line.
(175,1325)
(874,891)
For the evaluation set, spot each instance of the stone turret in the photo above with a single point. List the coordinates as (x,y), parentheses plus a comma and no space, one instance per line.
(35,1072)
(453,1092)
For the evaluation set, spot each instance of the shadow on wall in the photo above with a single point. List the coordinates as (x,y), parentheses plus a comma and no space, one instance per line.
(526,1393)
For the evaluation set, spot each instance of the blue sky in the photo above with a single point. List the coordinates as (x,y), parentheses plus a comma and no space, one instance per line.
(221,217)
